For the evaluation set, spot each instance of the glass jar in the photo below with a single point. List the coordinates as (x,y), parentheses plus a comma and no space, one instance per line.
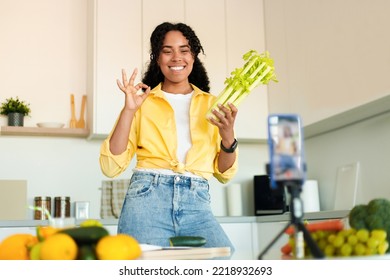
(44,202)
(62,206)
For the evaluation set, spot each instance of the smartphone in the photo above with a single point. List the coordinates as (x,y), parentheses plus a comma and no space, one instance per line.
(286,149)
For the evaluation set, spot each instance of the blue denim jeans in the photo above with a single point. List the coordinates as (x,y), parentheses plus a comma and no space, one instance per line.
(158,207)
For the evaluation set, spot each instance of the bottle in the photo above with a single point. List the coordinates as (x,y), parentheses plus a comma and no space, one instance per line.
(45,203)
(62,206)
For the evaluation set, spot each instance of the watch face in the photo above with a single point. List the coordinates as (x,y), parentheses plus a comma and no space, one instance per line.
(235,143)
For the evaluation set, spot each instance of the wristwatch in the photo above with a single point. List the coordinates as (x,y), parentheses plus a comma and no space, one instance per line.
(232,148)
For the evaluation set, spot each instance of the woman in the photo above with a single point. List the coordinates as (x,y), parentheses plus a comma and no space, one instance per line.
(163,123)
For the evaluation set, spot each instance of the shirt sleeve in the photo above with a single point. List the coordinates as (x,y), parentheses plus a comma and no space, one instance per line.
(228,174)
(110,164)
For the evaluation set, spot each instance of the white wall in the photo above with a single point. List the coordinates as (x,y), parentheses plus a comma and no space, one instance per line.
(43,54)
(69,167)
(366,142)
(43,58)
(330,57)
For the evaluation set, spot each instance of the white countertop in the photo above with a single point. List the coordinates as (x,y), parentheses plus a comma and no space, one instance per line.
(322,215)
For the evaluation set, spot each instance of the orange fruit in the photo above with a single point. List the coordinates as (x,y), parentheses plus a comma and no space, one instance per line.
(58,246)
(16,246)
(118,247)
(45,231)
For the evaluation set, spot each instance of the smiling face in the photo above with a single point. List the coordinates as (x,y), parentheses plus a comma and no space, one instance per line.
(176,61)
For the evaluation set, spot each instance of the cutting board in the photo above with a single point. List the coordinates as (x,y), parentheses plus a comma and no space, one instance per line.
(13,200)
(347,181)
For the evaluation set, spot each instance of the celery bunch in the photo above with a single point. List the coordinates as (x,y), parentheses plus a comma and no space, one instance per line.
(258,69)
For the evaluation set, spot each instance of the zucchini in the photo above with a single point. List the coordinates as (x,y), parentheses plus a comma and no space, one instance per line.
(86,252)
(86,235)
(188,241)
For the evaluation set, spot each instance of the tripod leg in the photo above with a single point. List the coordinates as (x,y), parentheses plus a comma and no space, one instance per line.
(273,242)
(314,249)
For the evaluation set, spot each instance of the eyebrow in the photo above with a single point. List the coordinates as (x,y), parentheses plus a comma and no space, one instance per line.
(183,46)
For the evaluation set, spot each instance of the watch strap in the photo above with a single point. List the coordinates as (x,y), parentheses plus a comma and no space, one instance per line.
(232,147)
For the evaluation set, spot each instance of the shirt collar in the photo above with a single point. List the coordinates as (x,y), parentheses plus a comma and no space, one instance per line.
(156,91)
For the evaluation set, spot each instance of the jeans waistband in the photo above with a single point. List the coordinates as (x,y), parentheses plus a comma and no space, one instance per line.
(165,177)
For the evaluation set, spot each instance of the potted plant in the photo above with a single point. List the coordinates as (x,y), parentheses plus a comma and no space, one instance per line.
(16,110)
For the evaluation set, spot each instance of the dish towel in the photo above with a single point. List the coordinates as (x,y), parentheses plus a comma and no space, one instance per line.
(112,197)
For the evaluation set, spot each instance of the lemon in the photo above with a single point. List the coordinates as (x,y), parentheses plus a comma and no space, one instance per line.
(118,247)
(59,246)
(91,223)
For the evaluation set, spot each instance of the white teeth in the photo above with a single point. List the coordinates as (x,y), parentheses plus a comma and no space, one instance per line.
(177,68)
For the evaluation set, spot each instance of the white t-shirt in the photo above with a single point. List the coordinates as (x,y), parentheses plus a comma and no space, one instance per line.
(181,107)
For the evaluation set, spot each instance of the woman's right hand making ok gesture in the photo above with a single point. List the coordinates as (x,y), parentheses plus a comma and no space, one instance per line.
(133,98)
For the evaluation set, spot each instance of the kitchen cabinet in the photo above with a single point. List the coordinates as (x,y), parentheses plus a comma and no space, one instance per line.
(156,12)
(114,43)
(241,235)
(245,31)
(249,234)
(120,39)
(266,233)
(331,58)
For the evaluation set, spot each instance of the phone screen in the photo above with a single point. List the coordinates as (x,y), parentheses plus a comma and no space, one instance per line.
(286,148)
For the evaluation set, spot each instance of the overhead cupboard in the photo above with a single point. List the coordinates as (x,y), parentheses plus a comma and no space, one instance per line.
(332,60)
(119,32)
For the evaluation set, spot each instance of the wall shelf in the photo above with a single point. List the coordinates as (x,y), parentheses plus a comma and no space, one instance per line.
(40,131)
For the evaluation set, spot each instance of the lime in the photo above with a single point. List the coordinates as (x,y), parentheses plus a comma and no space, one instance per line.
(35,251)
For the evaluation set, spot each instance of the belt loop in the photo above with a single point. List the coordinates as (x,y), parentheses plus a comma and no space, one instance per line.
(155,181)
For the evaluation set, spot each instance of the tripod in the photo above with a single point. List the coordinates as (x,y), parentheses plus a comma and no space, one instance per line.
(300,231)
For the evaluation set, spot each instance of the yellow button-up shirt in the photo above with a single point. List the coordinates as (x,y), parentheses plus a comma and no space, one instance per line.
(153,138)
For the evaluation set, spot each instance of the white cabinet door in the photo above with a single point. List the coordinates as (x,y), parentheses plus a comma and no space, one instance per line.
(115,44)
(245,31)
(241,235)
(155,12)
(266,232)
(120,37)
(207,18)
(227,30)
(331,59)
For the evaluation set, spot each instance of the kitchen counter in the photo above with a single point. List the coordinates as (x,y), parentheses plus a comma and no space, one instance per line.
(322,215)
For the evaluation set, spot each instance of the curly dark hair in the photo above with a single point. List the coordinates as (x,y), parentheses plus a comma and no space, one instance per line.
(153,75)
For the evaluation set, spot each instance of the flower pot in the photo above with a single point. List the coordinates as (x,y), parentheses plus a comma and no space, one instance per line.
(15,119)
